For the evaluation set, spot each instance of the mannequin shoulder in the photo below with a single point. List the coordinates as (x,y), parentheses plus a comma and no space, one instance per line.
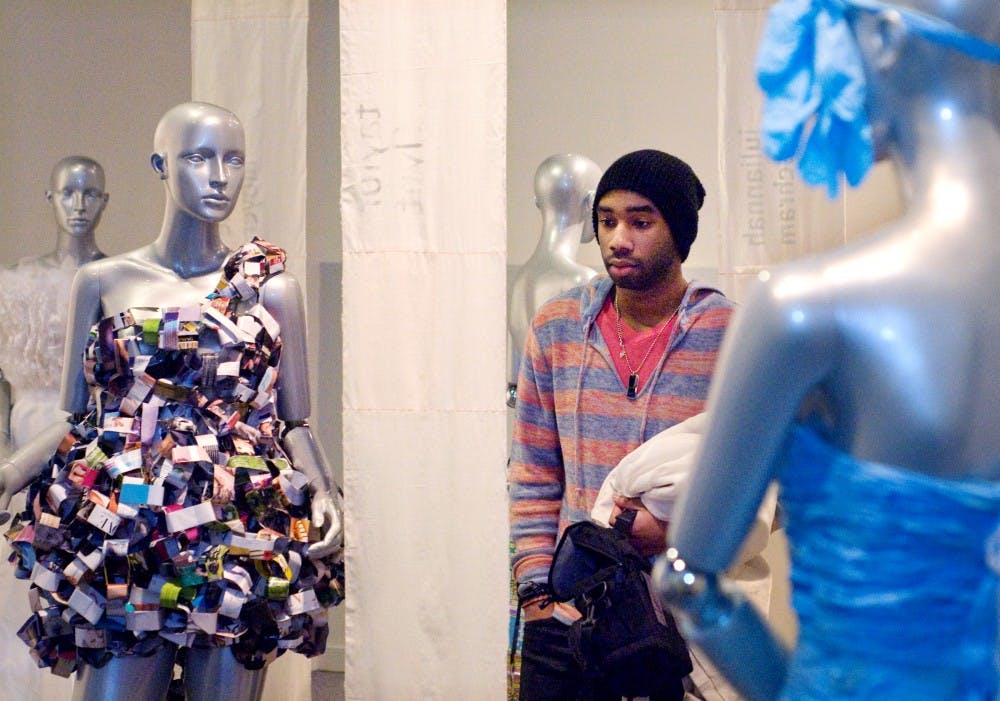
(133,278)
(140,258)
(281,295)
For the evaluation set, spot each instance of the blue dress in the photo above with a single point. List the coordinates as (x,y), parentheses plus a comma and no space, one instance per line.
(894,577)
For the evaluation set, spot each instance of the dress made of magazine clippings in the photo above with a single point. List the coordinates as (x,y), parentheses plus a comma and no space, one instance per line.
(170,512)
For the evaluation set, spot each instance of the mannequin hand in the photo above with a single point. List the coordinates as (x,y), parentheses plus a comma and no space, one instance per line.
(5,494)
(649,534)
(327,515)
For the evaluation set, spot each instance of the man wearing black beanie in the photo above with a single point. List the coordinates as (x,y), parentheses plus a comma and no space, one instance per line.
(606,366)
(667,182)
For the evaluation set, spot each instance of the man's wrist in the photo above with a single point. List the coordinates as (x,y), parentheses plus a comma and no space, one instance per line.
(530,592)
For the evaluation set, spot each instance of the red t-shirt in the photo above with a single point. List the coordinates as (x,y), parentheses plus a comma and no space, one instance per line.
(636,344)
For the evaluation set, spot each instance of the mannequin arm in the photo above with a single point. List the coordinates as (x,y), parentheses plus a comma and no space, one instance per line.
(776,352)
(85,311)
(6,445)
(760,532)
(725,626)
(19,469)
(327,500)
(282,298)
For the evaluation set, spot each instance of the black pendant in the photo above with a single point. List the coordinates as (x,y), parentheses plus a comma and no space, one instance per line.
(633,385)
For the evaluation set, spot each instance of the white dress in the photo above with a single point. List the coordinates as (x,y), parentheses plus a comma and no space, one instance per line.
(33,310)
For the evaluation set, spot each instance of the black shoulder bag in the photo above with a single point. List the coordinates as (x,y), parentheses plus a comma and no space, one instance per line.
(625,639)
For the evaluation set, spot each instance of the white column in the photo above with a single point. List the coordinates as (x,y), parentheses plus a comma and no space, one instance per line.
(423,112)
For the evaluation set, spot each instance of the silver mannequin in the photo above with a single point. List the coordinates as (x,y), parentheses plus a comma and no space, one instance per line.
(893,343)
(78,198)
(564,192)
(199,154)
(29,395)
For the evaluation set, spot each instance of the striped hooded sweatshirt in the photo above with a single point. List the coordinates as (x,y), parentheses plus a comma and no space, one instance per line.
(574,423)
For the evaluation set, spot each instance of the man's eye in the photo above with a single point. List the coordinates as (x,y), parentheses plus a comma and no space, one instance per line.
(608,222)
(642,224)
(236,161)
(195,158)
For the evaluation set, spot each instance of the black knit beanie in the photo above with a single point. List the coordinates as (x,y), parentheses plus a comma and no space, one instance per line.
(666,181)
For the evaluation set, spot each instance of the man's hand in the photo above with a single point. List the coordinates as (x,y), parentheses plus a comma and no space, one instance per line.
(649,534)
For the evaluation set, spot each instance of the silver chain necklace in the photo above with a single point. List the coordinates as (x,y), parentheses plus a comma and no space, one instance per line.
(633,375)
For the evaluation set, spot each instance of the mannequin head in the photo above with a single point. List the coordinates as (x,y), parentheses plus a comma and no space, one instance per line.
(199,154)
(980,18)
(564,190)
(903,64)
(76,193)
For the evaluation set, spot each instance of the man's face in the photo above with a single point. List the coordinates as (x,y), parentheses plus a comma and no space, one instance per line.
(77,197)
(203,162)
(636,244)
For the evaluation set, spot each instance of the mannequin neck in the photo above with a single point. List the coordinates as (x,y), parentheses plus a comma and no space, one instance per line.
(560,237)
(79,249)
(947,161)
(187,245)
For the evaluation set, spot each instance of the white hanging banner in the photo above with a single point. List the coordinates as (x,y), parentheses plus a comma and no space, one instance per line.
(767,216)
(249,56)
(423,119)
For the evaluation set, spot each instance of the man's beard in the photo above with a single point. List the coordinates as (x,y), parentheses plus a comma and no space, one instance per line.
(644,275)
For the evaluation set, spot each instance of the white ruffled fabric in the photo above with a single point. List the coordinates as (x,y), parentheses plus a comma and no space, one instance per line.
(34,305)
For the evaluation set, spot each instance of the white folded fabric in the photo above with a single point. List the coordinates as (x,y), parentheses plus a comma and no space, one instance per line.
(653,472)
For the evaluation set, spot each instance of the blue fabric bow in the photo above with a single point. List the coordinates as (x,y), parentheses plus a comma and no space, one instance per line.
(810,70)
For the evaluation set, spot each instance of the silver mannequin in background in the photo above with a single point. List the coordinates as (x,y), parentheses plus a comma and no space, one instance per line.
(891,346)
(564,192)
(34,305)
(78,198)
(199,154)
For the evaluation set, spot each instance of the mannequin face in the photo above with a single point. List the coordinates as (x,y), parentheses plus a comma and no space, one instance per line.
(76,193)
(201,159)
(636,243)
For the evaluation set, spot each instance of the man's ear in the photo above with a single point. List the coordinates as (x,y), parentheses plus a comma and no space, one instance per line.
(48,195)
(159,164)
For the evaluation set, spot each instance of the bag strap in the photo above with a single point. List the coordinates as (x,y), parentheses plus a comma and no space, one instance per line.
(623,524)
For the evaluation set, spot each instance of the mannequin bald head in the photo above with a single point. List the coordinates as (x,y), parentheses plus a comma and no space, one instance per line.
(199,153)
(76,193)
